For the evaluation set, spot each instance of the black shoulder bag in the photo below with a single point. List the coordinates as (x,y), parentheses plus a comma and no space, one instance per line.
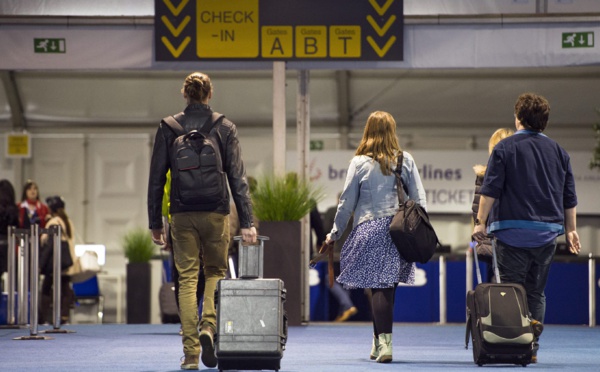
(410,229)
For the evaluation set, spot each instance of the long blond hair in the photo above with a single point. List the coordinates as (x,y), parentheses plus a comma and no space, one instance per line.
(379,140)
(496,137)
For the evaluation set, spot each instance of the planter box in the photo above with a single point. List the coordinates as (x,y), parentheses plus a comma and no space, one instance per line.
(138,293)
(282,259)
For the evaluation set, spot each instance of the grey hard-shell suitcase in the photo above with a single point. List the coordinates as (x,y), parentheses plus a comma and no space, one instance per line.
(251,324)
(498,320)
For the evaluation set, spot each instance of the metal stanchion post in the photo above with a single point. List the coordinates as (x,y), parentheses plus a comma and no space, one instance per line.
(22,281)
(34,280)
(443,280)
(469,269)
(592,289)
(11,319)
(469,273)
(55,233)
(57,277)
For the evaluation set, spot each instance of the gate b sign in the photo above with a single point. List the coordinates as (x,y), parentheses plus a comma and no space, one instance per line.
(349,30)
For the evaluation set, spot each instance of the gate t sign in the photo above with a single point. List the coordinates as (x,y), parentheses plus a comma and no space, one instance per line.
(279,30)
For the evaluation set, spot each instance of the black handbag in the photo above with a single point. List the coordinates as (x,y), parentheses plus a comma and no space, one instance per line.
(47,256)
(410,229)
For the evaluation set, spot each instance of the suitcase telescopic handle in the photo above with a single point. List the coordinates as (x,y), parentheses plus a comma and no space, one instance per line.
(473,244)
(258,237)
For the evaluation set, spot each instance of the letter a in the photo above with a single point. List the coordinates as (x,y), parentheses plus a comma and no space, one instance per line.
(277,46)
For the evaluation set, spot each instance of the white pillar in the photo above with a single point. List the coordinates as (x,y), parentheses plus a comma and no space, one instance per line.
(279,135)
(303,139)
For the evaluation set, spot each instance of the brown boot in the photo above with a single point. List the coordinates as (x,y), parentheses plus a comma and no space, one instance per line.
(207,335)
(190,362)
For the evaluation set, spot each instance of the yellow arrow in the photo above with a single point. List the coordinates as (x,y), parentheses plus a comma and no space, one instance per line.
(380,30)
(176,52)
(381,51)
(173,9)
(380,9)
(177,31)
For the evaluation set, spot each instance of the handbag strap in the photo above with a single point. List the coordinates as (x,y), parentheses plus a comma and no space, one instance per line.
(398,173)
(325,250)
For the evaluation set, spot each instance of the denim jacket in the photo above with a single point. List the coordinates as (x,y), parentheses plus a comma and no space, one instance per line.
(370,194)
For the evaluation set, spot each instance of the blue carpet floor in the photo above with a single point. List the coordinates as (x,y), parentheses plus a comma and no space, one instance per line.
(320,347)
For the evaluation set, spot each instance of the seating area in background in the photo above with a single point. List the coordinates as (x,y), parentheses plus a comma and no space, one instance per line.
(87,292)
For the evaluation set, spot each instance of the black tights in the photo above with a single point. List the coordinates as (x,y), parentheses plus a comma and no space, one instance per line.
(382,305)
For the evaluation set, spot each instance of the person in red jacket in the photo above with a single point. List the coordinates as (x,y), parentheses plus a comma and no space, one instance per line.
(31,209)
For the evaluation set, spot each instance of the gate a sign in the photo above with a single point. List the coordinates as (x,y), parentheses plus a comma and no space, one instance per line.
(289,30)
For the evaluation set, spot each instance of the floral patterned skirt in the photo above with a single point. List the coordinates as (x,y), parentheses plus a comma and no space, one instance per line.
(369,258)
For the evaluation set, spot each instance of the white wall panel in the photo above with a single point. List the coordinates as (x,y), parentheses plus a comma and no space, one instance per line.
(117,187)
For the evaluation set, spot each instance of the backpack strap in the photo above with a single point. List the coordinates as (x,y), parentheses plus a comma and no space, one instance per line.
(208,125)
(174,125)
(211,122)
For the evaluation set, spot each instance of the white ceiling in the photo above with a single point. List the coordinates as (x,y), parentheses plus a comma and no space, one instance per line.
(424,101)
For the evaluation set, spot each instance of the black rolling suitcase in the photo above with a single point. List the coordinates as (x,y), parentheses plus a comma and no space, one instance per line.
(251,322)
(169,313)
(498,321)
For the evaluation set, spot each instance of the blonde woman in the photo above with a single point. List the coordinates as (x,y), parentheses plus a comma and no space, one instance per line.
(479,169)
(369,259)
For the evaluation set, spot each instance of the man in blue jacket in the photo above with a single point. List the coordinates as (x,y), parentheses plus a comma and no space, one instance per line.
(528,195)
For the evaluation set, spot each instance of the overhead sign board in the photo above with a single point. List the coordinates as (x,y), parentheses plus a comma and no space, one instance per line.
(359,30)
(18,145)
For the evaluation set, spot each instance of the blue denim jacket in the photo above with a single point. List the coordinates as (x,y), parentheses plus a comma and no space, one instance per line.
(369,194)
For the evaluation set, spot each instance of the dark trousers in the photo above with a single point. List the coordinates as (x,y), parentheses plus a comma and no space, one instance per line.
(528,267)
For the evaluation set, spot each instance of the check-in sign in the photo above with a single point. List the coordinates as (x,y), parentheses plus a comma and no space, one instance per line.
(191,30)
(227,29)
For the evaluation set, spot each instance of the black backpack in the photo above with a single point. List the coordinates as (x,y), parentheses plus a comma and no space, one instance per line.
(197,176)
(410,229)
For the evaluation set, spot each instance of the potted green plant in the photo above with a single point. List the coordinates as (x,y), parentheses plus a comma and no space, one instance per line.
(138,249)
(284,198)
(279,203)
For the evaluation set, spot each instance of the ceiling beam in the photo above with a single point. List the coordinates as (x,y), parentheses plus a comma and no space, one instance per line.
(14,99)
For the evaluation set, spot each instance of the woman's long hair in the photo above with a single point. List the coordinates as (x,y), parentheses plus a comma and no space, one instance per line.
(8,204)
(379,141)
(63,216)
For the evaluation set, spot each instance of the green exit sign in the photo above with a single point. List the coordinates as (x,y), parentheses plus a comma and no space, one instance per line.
(316,145)
(41,45)
(578,39)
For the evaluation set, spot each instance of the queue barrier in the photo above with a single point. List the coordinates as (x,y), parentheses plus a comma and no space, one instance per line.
(23,269)
(439,293)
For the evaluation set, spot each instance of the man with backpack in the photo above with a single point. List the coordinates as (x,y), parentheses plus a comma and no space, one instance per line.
(202,151)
